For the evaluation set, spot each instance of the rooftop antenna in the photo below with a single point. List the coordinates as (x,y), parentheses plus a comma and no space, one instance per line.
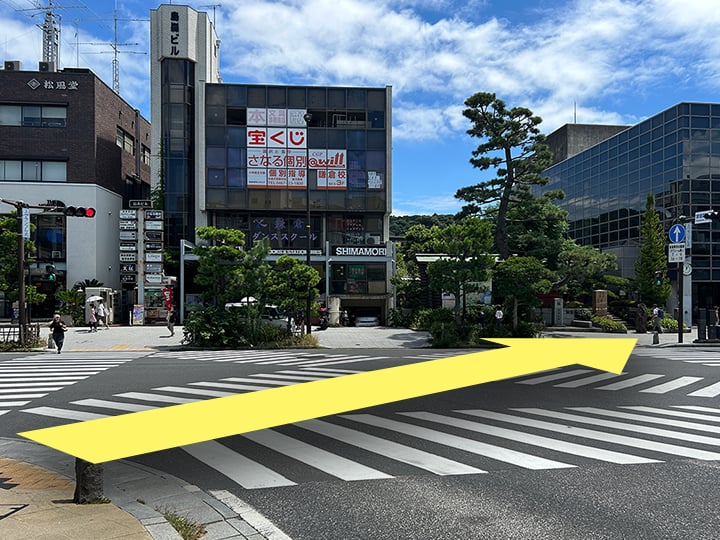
(213,6)
(575,112)
(115,47)
(51,31)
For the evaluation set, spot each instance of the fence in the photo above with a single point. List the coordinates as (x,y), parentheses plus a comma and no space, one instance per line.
(11,333)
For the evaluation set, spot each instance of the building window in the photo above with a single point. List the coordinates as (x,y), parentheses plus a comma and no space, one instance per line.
(145,156)
(125,141)
(33,171)
(33,115)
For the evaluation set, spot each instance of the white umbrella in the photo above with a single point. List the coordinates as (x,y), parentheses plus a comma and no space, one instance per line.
(93,299)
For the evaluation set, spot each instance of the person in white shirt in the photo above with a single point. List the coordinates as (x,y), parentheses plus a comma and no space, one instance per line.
(101,314)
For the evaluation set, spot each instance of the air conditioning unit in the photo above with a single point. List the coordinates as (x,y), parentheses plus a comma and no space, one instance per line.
(57,254)
(372,239)
(46,66)
(12,65)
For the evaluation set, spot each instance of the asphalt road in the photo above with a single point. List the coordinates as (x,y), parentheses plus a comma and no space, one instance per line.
(568,454)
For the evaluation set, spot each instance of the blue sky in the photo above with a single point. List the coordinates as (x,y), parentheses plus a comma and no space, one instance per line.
(601,61)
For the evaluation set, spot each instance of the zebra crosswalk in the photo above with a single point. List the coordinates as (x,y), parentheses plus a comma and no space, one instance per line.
(365,446)
(682,354)
(286,357)
(646,383)
(33,377)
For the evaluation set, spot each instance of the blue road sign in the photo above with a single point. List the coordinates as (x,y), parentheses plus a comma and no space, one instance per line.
(677,233)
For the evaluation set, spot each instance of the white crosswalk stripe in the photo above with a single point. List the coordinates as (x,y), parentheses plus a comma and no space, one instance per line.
(355,447)
(32,377)
(586,378)
(681,354)
(290,358)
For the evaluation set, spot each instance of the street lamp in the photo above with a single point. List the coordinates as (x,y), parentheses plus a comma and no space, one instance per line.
(307,117)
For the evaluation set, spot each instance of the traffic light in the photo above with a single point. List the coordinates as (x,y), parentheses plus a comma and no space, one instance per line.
(713,215)
(50,273)
(79,211)
(658,277)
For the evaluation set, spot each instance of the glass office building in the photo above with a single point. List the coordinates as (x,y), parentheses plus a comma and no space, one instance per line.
(676,156)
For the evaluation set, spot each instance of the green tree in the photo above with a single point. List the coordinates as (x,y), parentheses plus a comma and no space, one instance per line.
(73,304)
(514,147)
(652,257)
(400,224)
(518,281)
(582,264)
(537,227)
(228,272)
(9,279)
(288,284)
(465,263)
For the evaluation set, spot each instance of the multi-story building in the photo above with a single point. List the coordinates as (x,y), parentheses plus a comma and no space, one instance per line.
(264,158)
(66,137)
(675,155)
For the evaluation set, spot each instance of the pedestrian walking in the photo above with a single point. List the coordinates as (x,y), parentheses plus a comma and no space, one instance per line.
(92,320)
(658,314)
(170,318)
(498,316)
(101,314)
(58,329)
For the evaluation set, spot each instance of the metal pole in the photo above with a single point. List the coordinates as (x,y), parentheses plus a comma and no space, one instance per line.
(307,117)
(681,293)
(182,282)
(21,275)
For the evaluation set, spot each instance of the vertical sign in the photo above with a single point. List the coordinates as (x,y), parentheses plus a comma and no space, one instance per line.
(26,222)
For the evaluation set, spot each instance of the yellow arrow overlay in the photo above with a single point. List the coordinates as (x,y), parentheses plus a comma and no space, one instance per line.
(126,435)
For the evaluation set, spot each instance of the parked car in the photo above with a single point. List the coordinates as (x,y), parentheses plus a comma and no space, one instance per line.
(367,320)
(270,313)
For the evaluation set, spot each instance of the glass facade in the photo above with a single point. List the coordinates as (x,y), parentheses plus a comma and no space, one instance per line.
(676,156)
(267,148)
(177,147)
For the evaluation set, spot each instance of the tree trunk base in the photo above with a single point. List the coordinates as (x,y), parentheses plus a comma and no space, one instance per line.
(88,482)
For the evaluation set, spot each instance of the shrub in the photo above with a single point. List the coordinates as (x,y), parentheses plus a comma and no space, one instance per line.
(609,325)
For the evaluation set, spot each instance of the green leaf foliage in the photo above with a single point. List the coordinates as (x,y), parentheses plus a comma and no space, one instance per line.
(514,148)
(652,257)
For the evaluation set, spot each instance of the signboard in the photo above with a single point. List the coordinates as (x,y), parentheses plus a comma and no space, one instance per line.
(153,214)
(153,278)
(140,203)
(363,251)
(127,225)
(153,257)
(128,257)
(153,246)
(25,222)
(153,268)
(128,235)
(138,315)
(128,214)
(154,235)
(700,217)
(153,225)
(128,278)
(676,253)
(128,246)
(676,233)
(128,268)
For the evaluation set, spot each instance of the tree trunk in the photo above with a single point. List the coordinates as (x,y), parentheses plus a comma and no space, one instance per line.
(515,314)
(88,482)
